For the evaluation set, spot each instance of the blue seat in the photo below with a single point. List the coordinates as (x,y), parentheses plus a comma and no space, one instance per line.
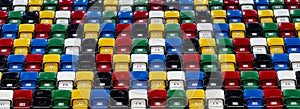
(173,45)
(99,98)
(93,16)
(125,17)
(261,4)
(254,98)
(280,61)
(38,46)
(186,4)
(15,63)
(292,45)
(80,5)
(29,80)
(157,62)
(221,30)
(108,30)
(68,62)
(139,79)
(194,79)
(234,16)
(10,31)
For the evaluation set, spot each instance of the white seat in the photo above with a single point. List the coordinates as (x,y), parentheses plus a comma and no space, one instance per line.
(282,15)
(6,98)
(215,98)
(259,45)
(295,60)
(65,80)
(72,45)
(205,30)
(20,5)
(62,17)
(246,4)
(138,98)
(176,79)
(139,62)
(157,45)
(125,5)
(156,17)
(287,79)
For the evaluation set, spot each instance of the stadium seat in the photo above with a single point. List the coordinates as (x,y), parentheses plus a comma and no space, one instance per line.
(172,30)
(204,17)
(47,80)
(55,46)
(277,4)
(157,62)
(190,45)
(139,62)
(224,45)
(61,98)
(259,45)
(174,62)
(205,30)
(176,79)
(234,99)
(262,62)
(140,17)
(21,46)
(125,17)
(194,79)
(104,62)
(62,17)
(219,16)
(157,80)
(121,80)
(99,98)
(227,62)
(10,31)
(262,5)
(42,99)
(123,30)
(72,46)
(216,4)
(125,5)
(244,61)
(268,79)
(107,30)
(80,5)
(221,30)
(3,60)
(84,80)
(246,4)
(109,16)
(207,45)
(68,62)
(191,62)
(201,5)
(88,45)
(119,98)
(254,98)
(50,4)
(294,15)
(172,17)
(20,5)
(22,99)
(156,17)
(58,31)
(157,98)
(265,16)
(253,30)
(270,30)
(176,98)
(7,98)
(273,98)
(297,27)
(186,4)
(15,17)
(231,4)
(209,62)
(65,80)
(121,62)
(276,48)
(156,30)
(42,31)
(294,60)
(291,98)
(95,4)
(140,45)
(93,16)
(215,98)
(46,17)
(157,45)
(51,62)
(249,79)
(292,4)
(292,45)
(140,31)
(33,62)
(10,80)
(6,45)
(15,63)
(231,79)
(86,62)
(250,16)
(26,30)
(282,15)
(6,5)
(171,5)
(281,61)
(110,4)
(38,46)
(138,98)
(123,45)
(106,45)
(195,99)
(65,4)
(173,45)
(234,16)
(80,98)
(286,29)
(75,31)
(3,18)
(187,16)
(286,79)
(237,30)
(91,30)
(102,80)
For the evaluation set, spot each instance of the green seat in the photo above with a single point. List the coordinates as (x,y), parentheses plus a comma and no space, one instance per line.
(270,30)
(176,99)
(109,16)
(141,5)
(295,15)
(249,79)
(187,16)
(58,31)
(50,4)
(292,98)
(172,30)
(209,62)
(277,4)
(225,46)
(15,17)
(61,99)
(216,4)
(47,80)
(140,45)
(55,45)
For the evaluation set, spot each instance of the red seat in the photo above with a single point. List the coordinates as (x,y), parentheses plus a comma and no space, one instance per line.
(244,61)
(77,17)
(6,45)
(191,62)
(65,4)
(141,17)
(123,45)
(268,79)
(231,79)
(156,4)
(22,99)
(124,30)
(104,62)
(241,45)
(292,4)
(250,16)
(286,29)
(189,30)
(273,98)
(3,17)
(33,62)
(157,98)
(231,4)
(42,30)
(121,80)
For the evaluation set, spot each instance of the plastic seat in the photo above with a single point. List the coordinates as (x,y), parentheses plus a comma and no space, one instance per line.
(231,4)
(171,5)
(201,5)
(292,4)
(216,4)
(174,62)
(42,98)
(125,5)
(123,30)
(277,4)
(234,16)
(194,79)
(270,30)
(254,30)
(176,79)
(286,29)
(227,62)
(187,16)
(3,60)
(38,46)
(62,17)
(65,80)
(172,30)
(173,45)
(254,98)
(106,45)
(46,17)
(286,79)
(291,98)
(209,62)
(250,16)
(237,30)
(55,46)
(291,45)
(140,31)
(231,79)
(6,45)
(22,99)
(86,62)
(50,4)
(234,99)
(104,62)
(156,30)
(65,4)
(172,17)
(61,98)
(221,30)
(156,4)
(207,45)
(186,5)
(47,80)
(4,15)
(157,98)
(276,48)
(249,79)
(190,45)
(15,17)
(244,61)
(140,17)
(6,5)
(156,62)
(21,46)
(33,62)
(88,45)
(10,80)
(20,5)
(157,80)
(80,5)
(246,4)
(294,14)
(140,45)
(265,16)
(68,62)
(84,80)
(91,31)
(176,98)
(156,16)
(259,45)
(273,98)
(282,15)
(72,46)
(262,62)
(268,79)
(204,17)
(219,16)
(107,30)
(15,63)
(121,62)
(262,5)
(109,16)
(297,27)
(26,30)
(121,80)
(225,46)
(157,45)
(75,31)
(58,31)
(119,98)
(80,98)
(95,4)
(294,60)
(213,80)
(110,4)
(125,17)
(93,16)
(51,62)
(189,30)
(123,45)
(99,98)
(138,98)
(7,98)
(139,62)
(205,30)
(191,62)
(10,31)
(280,61)
(42,31)
(215,98)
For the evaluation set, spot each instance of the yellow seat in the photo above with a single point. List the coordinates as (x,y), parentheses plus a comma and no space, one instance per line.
(195,99)
(80,98)
(121,62)
(51,62)
(21,46)
(297,27)
(276,45)
(172,16)
(26,30)
(237,30)
(201,4)
(106,45)
(219,16)
(91,30)
(0,75)
(84,79)
(265,16)
(227,62)
(111,5)
(207,45)
(156,30)
(35,5)
(46,17)
(157,80)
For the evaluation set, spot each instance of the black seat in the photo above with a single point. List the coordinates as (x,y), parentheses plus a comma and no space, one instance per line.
(89,46)
(10,80)
(103,80)
(86,62)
